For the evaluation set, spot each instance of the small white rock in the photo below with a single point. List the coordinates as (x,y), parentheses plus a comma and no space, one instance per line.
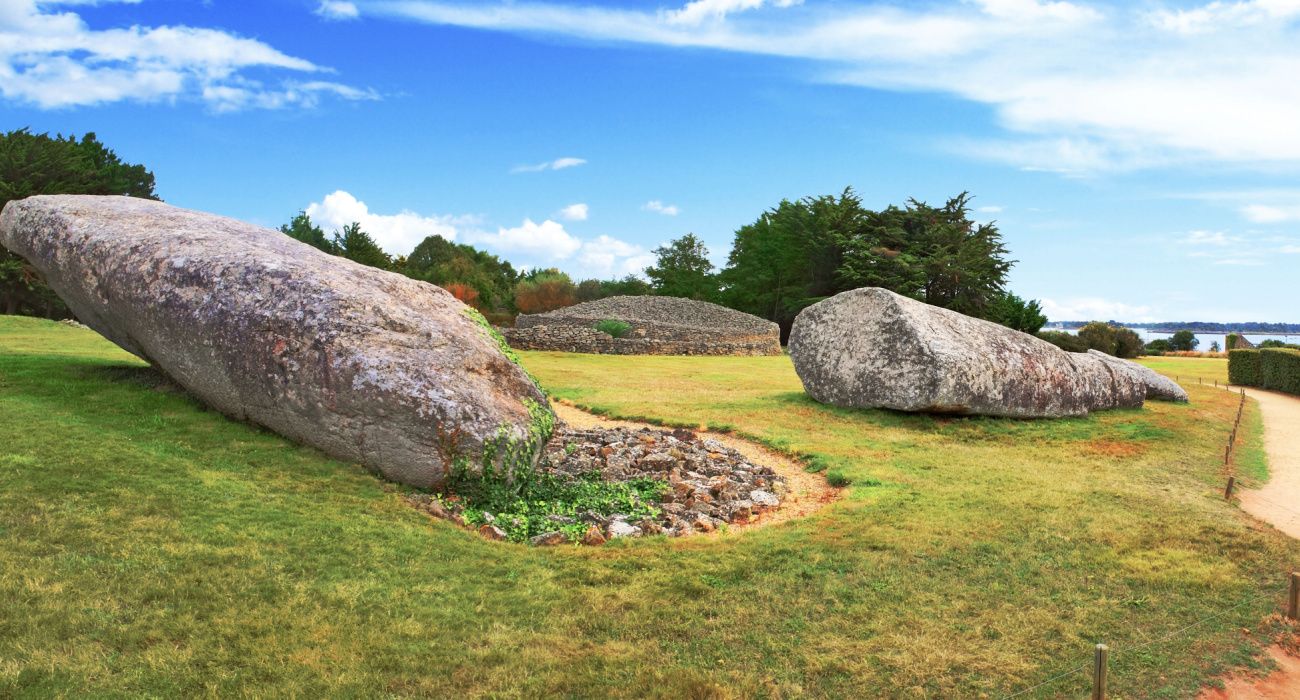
(618,528)
(766,499)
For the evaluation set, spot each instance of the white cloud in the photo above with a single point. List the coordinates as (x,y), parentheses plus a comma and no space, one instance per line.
(1078,87)
(574,212)
(229,98)
(397,234)
(1217,15)
(338,10)
(1249,249)
(530,244)
(1094,309)
(698,11)
(989,210)
(557,164)
(546,241)
(1036,10)
(1240,260)
(604,258)
(52,59)
(659,207)
(1214,238)
(1270,214)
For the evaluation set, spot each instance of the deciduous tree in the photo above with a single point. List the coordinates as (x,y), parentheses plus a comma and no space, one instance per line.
(1184,341)
(683,269)
(544,290)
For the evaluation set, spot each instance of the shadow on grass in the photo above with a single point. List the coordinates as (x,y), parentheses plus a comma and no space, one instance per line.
(1136,424)
(143,376)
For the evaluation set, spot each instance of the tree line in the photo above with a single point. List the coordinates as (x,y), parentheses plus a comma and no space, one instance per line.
(803,251)
(476,277)
(791,256)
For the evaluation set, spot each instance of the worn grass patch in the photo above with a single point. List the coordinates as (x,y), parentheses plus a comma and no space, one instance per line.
(151,547)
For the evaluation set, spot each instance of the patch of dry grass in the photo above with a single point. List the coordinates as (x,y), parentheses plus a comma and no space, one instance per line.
(150,547)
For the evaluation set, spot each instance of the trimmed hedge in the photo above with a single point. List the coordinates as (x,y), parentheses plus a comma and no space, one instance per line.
(1243,367)
(1279,369)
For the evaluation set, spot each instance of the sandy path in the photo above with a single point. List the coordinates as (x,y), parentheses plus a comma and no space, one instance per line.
(1281,685)
(1278,503)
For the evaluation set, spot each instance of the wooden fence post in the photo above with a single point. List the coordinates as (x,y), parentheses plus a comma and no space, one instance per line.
(1293,604)
(1227,492)
(1099,673)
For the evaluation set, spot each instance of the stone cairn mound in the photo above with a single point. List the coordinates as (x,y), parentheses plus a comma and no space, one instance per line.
(709,483)
(657,326)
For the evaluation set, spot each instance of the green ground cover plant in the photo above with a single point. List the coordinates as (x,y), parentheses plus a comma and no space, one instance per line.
(151,547)
(613,327)
(523,506)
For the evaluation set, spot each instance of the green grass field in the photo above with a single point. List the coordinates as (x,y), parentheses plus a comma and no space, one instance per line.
(151,547)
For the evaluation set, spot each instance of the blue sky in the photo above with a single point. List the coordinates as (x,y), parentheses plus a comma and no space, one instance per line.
(1141,159)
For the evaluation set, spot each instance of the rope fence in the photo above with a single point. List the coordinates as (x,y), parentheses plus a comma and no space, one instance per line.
(1103,655)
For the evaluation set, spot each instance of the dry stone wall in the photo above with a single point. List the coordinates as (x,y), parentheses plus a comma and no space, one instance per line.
(657,326)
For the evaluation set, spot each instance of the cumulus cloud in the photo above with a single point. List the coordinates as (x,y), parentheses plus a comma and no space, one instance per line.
(659,207)
(337,10)
(548,244)
(557,164)
(547,241)
(1078,87)
(530,244)
(1094,309)
(605,257)
(574,212)
(397,234)
(51,59)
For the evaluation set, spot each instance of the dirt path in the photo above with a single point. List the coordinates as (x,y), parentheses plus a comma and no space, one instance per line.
(1281,685)
(1278,502)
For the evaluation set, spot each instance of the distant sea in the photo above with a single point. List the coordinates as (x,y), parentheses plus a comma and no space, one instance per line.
(1206,339)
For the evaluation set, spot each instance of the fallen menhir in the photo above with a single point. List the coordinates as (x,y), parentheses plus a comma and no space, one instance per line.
(872,348)
(365,365)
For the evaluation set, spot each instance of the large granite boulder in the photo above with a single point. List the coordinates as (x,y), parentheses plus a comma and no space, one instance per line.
(1157,386)
(366,365)
(872,348)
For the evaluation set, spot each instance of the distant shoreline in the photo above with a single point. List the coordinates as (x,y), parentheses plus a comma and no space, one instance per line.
(1247,328)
